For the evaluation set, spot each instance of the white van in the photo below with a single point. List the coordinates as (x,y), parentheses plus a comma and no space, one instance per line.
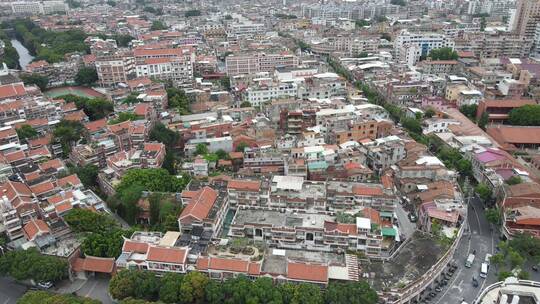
(484,270)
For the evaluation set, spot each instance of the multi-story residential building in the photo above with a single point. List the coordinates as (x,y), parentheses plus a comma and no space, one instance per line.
(114,68)
(502,45)
(246,29)
(205,209)
(307,231)
(258,62)
(38,8)
(409,47)
(244,192)
(355,131)
(263,161)
(259,94)
(384,152)
(172,64)
(527,18)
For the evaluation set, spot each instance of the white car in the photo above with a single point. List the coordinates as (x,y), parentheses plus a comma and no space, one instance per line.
(45,285)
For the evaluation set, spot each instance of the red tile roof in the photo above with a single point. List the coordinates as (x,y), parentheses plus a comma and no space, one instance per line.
(12,90)
(34,228)
(141,109)
(94,264)
(96,125)
(63,206)
(42,188)
(307,272)
(244,185)
(200,205)
(72,180)
(365,190)
(167,255)
(55,163)
(131,246)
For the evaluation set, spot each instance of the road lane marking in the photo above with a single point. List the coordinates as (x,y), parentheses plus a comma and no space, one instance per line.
(91,289)
(7,301)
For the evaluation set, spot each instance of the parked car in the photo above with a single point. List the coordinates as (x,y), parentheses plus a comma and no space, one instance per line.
(45,285)
(412,218)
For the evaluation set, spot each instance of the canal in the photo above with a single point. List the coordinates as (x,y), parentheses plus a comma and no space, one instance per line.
(24,56)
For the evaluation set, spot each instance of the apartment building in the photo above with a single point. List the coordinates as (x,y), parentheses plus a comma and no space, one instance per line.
(306,231)
(38,8)
(527,18)
(258,62)
(170,64)
(500,45)
(205,210)
(258,94)
(355,131)
(384,152)
(114,68)
(409,47)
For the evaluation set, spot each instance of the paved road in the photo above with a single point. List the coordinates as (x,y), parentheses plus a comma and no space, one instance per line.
(96,288)
(405,226)
(10,291)
(479,238)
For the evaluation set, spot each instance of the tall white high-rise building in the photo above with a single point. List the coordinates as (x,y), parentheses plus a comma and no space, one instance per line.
(409,47)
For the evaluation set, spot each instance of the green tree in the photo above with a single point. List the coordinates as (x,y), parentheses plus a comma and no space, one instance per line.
(164,135)
(527,115)
(35,79)
(178,99)
(483,24)
(123,40)
(95,108)
(214,293)
(158,25)
(362,23)
(527,245)
(516,260)
(86,76)
(192,13)
(445,53)
(44,297)
(497,260)
(483,121)
(350,292)
(88,175)
(225,82)
(111,3)
(105,244)
(245,104)
(514,180)
(30,264)
(85,220)
(523,275)
(221,154)
(483,191)
(429,113)
(193,287)
(502,275)
(26,131)
(412,125)
(131,99)
(469,111)
(398,2)
(493,216)
(307,294)
(241,147)
(67,133)
(201,149)
(169,292)
(155,180)
(124,116)
(134,283)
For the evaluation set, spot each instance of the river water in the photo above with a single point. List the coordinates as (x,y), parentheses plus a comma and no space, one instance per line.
(24,56)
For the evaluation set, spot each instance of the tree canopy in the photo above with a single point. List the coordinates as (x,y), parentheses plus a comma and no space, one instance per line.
(164,135)
(158,25)
(527,115)
(469,111)
(86,76)
(44,297)
(155,180)
(67,132)
(195,287)
(192,13)
(35,79)
(85,220)
(49,45)
(483,191)
(124,116)
(26,131)
(445,53)
(30,264)
(178,100)
(94,108)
